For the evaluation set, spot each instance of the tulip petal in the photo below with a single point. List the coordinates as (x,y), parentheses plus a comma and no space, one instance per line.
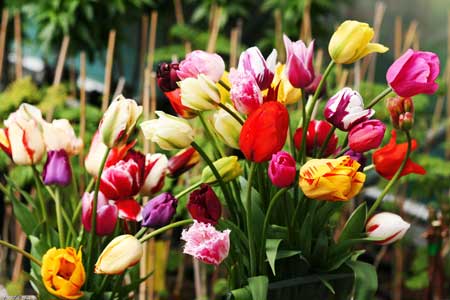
(129,210)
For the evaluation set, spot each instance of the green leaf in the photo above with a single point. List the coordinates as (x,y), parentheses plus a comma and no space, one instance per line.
(258,286)
(26,219)
(306,235)
(271,252)
(288,253)
(366,281)
(241,294)
(355,224)
(327,285)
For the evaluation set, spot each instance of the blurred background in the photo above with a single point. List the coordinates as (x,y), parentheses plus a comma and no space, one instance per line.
(54,53)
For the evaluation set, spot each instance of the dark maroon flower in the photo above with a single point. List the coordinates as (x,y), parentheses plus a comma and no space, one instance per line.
(204,206)
(167,77)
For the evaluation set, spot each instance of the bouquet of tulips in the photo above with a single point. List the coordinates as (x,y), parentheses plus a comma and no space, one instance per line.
(267,204)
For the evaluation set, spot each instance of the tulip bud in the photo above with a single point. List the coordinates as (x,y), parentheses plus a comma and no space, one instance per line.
(118,121)
(167,77)
(228,168)
(155,173)
(121,253)
(299,62)
(366,136)
(387,227)
(204,206)
(245,92)
(252,61)
(227,127)
(282,169)
(318,131)
(359,157)
(346,109)
(106,214)
(60,135)
(182,162)
(406,121)
(159,211)
(402,112)
(57,168)
(168,132)
(350,42)
(199,94)
(201,62)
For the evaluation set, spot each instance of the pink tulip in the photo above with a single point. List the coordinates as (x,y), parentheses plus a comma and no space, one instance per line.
(252,61)
(245,92)
(205,243)
(387,227)
(201,62)
(106,214)
(414,73)
(282,169)
(299,63)
(366,136)
(155,173)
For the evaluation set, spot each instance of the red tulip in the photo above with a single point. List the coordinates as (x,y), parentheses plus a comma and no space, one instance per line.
(315,137)
(204,206)
(264,132)
(182,162)
(387,160)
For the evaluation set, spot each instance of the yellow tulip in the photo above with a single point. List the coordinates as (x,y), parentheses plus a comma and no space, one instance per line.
(351,42)
(63,273)
(287,94)
(331,179)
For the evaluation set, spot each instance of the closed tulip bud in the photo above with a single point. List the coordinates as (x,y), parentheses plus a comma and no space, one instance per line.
(414,73)
(318,131)
(401,109)
(227,127)
(366,136)
(183,161)
(346,109)
(57,168)
(282,169)
(121,253)
(387,227)
(168,132)
(252,61)
(228,168)
(351,42)
(245,92)
(287,94)
(155,173)
(359,157)
(199,94)
(204,205)
(60,135)
(106,214)
(159,211)
(406,121)
(118,121)
(299,62)
(166,76)
(201,62)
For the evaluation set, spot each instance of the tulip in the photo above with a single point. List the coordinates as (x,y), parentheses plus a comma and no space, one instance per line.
(205,243)
(299,63)
(346,109)
(57,168)
(159,211)
(282,169)
(387,160)
(227,127)
(199,94)
(181,110)
(118,121)
(286,93)
(366,136)
(252,61)
(316,135)
(121,253)
(166,76)
(314,85)
(414,73)
(124,179)
(106,214)
(387,227)
(182,162)
(155,173)
(228,168)
(168,132)
(201,62)
(59,135)
(204,205)
(331,179)
(245,92)
(4,141)
(129,210)
(351,42)
(25,112)
(357,156)
(63,273)
(264,132)
(401,111)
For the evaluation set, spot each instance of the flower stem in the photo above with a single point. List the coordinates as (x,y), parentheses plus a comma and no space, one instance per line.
(163,229)
(59,223)
(39,183)
(379,97)
(225,86)
(188,190)
(210,134)
(249,219)
(232,113)
(21,251)
(393,179)
(325,143)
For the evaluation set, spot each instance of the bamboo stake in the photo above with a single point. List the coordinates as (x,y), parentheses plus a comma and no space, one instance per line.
(108,69)
(234,47)
(305,31)
(279,35)
(153,103)
(152,40)
(82,102)
(447,150)
(398,37)
(143,48)
(318,61)
(410,35)
(150,265)
(3,28)
(343,79)
(119,87)
(179,16)
(214,29)
(21,239)
(146,105)
(357,74)
(18,43)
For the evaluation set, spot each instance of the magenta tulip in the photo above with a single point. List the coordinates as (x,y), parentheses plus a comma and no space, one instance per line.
(282,169)
(106,214)
(299,63)
(366,136)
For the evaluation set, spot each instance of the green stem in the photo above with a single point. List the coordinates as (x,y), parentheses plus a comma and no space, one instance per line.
(210,135)
(77,212)
(117,285)
(379,97)
(45,219)
(140,232)
(3,189)
(163,229)
(222,83)
(59,223)
(188,190)
(327,139)
(232,113)
(249,220)
(304,131)
(393,179)
(21,251)
(297,208)
(69,223)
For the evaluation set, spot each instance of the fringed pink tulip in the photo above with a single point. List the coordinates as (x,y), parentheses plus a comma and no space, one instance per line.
(299,63)
(252,61)
(201,62)
(245,92)
(282,169)
(366,136)
(387,227)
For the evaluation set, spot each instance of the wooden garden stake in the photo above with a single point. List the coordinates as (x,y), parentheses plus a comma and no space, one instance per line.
(82,101)
(234,40)
(279,35)
(447,150)
(108,69)
(318,61)
(146,105)
(153,103)
(398,37)
(305,31)
(143,49)
(214,28)
(18,44)
(152,40)
(179,16)
(357,74)
(410,35)
(3,28)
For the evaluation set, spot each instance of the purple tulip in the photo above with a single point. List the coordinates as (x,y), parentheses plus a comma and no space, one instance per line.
(346,109)
(106,214)
(299,63)
(366,136)
(252,61)
(159,211)
(359,157)
(57,168)
(282,169)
